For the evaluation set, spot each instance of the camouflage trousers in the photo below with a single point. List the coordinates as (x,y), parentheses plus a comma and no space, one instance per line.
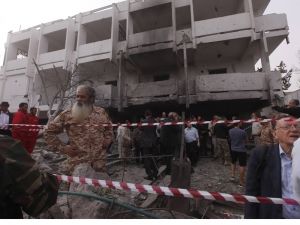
(222,150)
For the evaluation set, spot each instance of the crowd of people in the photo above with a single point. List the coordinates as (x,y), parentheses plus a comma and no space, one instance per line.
(267,172)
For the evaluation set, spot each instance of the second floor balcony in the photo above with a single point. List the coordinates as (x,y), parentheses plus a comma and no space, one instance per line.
(203,88)
(238,25)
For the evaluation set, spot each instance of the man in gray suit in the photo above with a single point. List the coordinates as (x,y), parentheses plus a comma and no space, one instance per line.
(269,174)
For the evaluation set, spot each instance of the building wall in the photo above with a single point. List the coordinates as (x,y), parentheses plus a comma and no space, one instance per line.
(223,38)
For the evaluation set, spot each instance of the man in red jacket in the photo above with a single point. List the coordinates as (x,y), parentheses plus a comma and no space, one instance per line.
(33,131)
(21,132)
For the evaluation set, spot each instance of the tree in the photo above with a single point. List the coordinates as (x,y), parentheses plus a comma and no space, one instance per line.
(285,75)
(64,86)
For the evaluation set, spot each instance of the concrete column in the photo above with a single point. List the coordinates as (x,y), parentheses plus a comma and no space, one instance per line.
(7,45)
(69,46)
(193,24)
(81,34)
(30,71)
(33,45)
(11,50)
(114,31)
(248,7)
(3,87)
(129,27)
(174,25)
(38,35)
(5,54)
(120,84)
(265,63)
(264,52)
(43,44)
(187,89)
(77,28)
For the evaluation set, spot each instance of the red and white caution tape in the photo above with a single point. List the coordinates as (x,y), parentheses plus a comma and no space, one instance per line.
(26,125)
(161,123)
(177,192)
(149,124)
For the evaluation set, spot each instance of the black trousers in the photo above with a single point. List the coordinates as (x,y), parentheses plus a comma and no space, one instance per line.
(149,162)
(168,150)
(138,153)
(192,152)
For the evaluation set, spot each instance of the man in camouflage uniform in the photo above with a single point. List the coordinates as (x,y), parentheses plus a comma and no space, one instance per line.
(88,138)
(266,134)
(22,185)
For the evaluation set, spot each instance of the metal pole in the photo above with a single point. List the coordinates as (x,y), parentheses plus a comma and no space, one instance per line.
(120,96)
(182,146)
(187,92)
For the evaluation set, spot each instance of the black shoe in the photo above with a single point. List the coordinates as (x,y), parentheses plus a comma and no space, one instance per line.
(148,178)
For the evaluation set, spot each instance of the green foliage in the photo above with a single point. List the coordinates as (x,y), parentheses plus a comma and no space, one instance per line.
(286,75)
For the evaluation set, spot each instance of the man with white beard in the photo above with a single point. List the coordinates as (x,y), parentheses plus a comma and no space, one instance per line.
(88,140)
(86,149)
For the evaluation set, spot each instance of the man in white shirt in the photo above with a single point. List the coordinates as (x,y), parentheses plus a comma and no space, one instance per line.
(191,138)
(296,169)
(256,129)
(5,118)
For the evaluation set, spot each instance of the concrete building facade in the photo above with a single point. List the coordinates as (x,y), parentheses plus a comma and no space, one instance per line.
(160,54)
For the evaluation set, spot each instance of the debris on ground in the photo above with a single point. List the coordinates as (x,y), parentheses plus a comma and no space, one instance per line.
(209,175)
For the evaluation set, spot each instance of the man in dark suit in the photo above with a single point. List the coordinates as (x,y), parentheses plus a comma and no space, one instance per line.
(5,118)
(170,139)
(269,174)
(148,142)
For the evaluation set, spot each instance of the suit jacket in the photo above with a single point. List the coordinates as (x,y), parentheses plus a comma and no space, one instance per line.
(269,185)
(170,136)
(148,137)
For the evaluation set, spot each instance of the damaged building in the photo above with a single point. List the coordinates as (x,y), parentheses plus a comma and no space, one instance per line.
(166,55)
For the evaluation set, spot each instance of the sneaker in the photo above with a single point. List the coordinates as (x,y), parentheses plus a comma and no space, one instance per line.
(231,179)
(240,185)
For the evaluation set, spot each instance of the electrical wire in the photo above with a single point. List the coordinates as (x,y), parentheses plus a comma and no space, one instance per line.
(110,201)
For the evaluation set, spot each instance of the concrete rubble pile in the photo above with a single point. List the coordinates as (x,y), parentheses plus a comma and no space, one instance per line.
(208,175)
